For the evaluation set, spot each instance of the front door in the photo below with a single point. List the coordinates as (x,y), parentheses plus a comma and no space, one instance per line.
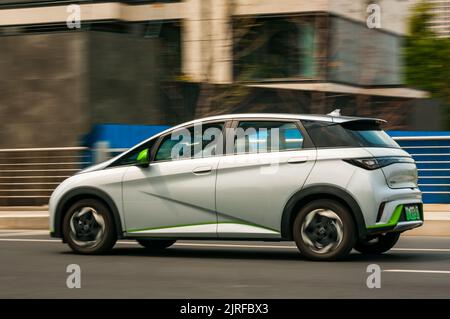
(173,196)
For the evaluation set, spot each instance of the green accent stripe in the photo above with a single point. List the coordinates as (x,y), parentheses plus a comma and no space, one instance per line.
(392,221)
(199,224)
(172,226)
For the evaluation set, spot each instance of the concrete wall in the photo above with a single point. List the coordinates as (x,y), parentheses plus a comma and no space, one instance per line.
(43,97)
(123,79)
(427,115)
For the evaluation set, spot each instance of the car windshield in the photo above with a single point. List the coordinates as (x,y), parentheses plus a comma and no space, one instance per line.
(349,134)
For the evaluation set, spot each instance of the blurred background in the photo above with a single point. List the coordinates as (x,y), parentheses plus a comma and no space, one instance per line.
(133,68)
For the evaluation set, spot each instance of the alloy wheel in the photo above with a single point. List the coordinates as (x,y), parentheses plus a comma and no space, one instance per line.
(322,230)
(87,227)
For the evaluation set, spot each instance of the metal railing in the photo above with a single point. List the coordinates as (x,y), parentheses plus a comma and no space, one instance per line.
(432,156)
(28,176)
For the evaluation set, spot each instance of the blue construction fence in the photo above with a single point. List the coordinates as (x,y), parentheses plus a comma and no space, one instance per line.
(430,150)
(119,137)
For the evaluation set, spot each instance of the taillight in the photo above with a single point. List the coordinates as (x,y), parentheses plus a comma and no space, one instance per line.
(371,163)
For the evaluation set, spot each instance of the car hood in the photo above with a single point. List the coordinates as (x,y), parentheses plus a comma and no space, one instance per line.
(96,167)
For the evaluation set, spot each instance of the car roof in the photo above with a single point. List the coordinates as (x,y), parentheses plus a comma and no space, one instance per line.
(270,116)
(312,117)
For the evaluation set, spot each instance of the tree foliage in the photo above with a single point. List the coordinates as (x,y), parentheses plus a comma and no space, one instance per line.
(427,56)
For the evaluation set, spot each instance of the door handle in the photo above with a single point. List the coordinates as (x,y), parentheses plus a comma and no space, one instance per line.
(297,160)
(202,170)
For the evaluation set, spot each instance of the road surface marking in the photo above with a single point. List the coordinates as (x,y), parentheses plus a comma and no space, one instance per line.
(418,271)
(217,245)
(422,249)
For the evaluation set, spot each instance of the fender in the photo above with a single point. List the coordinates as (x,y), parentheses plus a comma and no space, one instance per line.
(320,190)
(85,192)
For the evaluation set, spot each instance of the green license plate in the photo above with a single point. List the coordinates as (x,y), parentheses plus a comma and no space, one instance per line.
(412,212)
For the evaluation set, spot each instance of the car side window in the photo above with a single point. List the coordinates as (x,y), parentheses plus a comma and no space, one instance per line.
(201,140)
(267,136)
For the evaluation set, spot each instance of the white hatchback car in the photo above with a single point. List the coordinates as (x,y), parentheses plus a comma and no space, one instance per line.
(330,183)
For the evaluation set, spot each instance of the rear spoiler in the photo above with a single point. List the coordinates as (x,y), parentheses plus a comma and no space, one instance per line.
(363,124)
(338,118)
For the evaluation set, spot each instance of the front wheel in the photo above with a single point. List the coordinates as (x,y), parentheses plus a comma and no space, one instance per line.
(377,244)
(88,227)
(324,230)
(156,244)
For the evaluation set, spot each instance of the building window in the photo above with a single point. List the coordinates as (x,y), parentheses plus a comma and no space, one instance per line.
(158,39)
(359,55)
(268,48)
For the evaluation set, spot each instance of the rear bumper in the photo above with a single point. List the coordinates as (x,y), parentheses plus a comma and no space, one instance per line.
(399,227)
(402,226)
(398,221)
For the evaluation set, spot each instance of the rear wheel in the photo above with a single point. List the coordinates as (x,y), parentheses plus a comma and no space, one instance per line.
(156,244)
(324,230)
(88,227)
(377,244)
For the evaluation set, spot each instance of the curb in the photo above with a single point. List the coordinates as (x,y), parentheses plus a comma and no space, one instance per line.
(35,223)
(24,219)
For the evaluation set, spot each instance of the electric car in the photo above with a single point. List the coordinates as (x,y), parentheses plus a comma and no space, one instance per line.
(330,183)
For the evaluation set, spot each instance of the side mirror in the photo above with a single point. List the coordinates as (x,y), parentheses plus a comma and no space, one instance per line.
(143,158)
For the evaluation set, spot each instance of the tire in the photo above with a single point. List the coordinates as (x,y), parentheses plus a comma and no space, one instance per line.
(156,244)
(88,227)
(324,230)
(378,244)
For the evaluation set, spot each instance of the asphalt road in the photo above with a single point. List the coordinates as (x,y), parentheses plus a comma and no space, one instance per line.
(34,266)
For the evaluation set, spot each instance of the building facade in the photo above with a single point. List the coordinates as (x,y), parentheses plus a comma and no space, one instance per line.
(164,62)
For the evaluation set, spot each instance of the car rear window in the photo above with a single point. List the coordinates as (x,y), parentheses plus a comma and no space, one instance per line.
(348,134)
(258,137)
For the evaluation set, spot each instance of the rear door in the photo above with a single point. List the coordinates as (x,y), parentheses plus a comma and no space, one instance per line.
(268,161)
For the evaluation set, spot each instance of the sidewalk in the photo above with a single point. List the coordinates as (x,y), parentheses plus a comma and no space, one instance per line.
(24,217)
(437,219)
